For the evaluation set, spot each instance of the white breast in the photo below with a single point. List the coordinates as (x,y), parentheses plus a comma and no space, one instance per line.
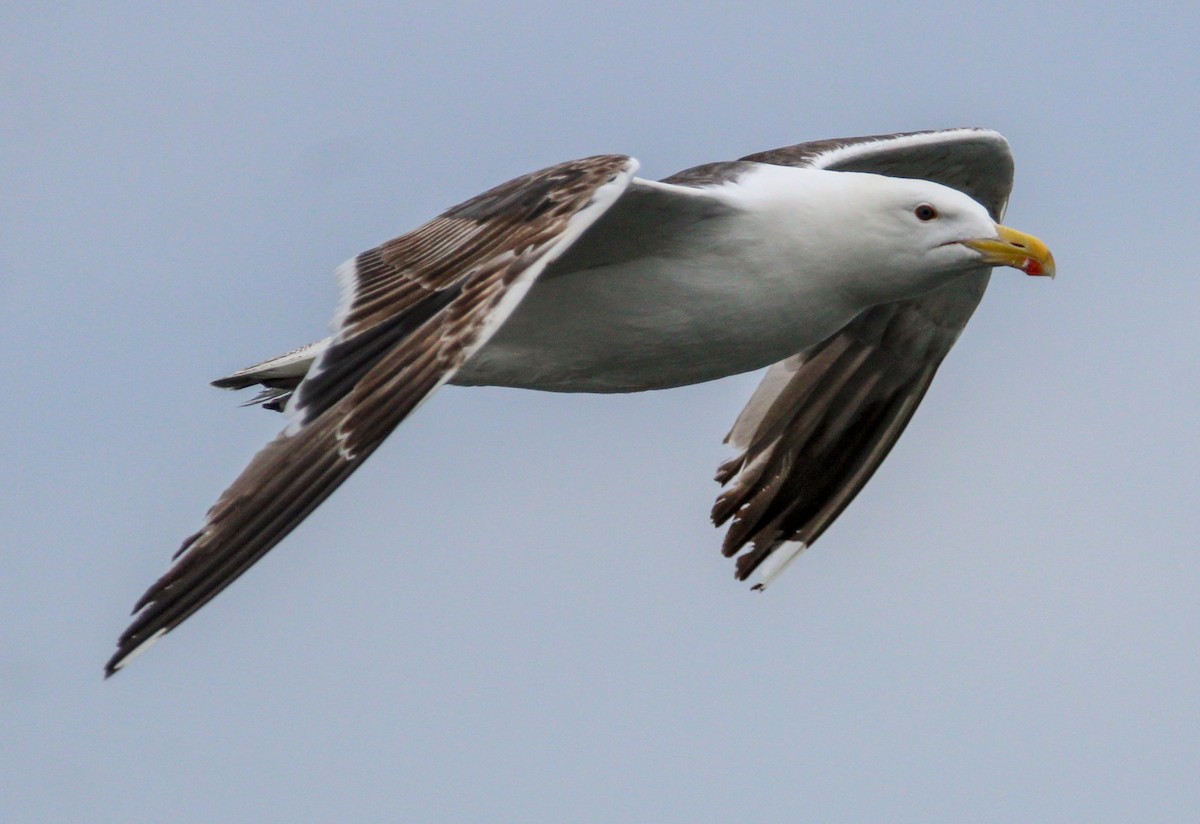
(728,294)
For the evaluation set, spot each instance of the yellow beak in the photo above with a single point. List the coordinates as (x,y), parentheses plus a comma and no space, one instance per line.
(1016,249)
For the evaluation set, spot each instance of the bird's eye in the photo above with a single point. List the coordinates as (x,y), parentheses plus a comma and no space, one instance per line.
(925,212)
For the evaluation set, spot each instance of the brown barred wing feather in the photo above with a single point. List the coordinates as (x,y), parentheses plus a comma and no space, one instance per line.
(413,310)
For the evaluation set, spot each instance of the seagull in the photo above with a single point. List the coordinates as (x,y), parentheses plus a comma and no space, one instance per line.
(848,267)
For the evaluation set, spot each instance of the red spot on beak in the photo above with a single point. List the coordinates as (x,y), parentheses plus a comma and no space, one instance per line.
(1032,268)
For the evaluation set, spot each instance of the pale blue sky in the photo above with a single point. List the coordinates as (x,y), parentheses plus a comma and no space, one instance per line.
(517,610)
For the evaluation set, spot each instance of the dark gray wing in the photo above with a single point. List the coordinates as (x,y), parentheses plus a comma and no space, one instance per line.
(413,310)
(822,421)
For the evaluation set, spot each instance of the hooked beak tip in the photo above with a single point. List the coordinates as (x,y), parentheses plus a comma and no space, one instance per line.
(1015,249)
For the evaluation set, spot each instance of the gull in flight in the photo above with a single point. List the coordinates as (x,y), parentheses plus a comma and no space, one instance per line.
(848,267)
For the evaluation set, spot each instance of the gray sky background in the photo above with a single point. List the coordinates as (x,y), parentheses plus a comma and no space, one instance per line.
(517,611)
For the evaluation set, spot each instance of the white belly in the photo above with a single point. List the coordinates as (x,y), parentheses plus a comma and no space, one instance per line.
(659,322)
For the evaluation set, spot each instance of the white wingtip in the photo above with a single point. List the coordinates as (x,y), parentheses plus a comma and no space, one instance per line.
(136,651)
(777,562)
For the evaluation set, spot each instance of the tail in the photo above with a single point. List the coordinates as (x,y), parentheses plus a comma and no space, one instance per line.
(278,376)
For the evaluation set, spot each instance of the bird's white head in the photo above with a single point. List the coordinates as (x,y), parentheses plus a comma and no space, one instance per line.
(885,239)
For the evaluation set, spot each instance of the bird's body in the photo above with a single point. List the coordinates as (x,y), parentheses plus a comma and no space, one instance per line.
(733,289)
(678,285)
(839,262)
